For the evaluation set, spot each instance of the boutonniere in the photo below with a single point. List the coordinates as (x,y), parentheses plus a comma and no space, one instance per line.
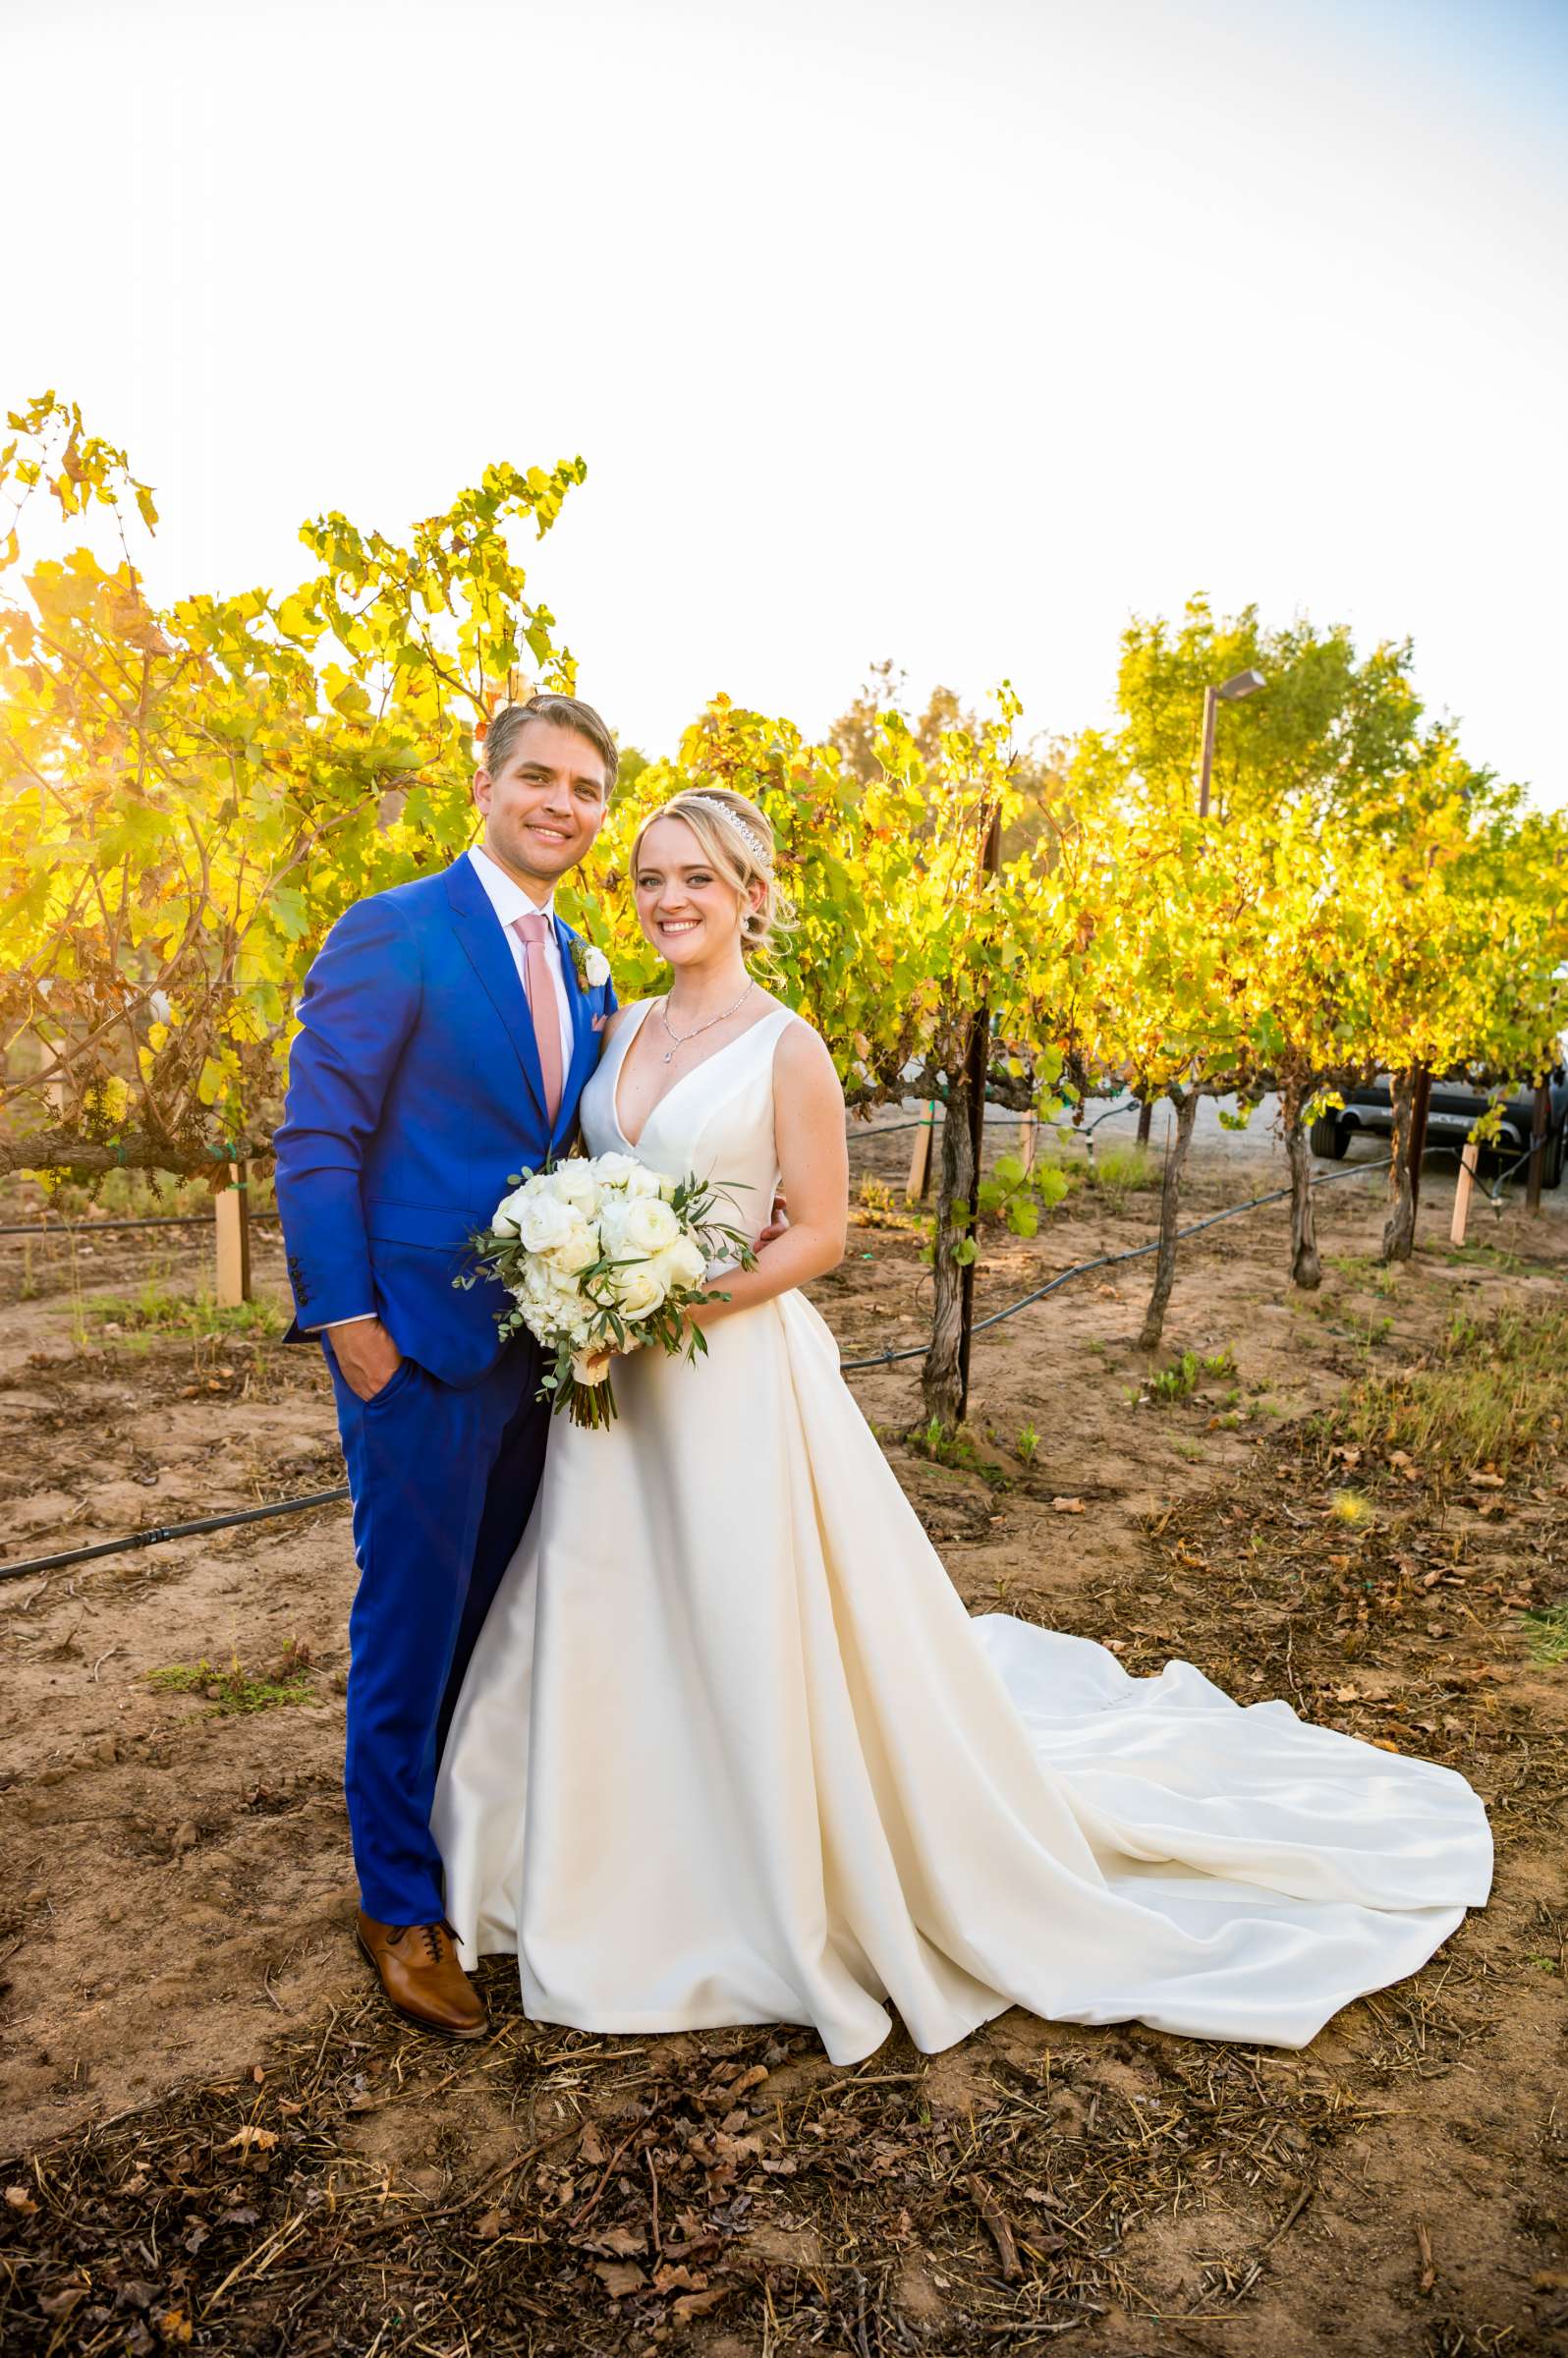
(592,967)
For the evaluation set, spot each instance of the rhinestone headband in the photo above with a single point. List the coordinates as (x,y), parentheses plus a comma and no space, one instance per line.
(749,835)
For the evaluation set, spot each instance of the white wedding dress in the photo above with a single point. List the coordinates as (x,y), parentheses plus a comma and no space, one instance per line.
(731,1750)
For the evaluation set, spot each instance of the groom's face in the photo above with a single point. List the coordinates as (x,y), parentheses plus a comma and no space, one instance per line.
(545,803)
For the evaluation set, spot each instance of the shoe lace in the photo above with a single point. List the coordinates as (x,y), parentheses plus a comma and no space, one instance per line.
(431,1934)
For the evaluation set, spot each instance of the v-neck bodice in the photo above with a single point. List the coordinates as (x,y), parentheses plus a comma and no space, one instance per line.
(716,1122)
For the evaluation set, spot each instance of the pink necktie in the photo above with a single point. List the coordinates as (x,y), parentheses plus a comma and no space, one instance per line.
(531,931)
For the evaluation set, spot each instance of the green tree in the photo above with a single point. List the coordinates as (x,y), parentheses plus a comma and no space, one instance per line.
(188,796)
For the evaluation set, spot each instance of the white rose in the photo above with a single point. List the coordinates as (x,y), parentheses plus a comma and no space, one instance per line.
(639,1290)
(643,1182)
(576,1183)
(595,967)
(614,1214)
(613,1170)
(504,1219)
(680,1264)
(651,1225)
(577,1250)
(544,1222)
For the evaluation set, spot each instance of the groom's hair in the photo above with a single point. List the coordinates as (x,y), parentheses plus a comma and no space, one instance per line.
(566,712)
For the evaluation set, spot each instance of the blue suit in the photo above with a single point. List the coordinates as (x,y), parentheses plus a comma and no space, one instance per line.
(415,1094)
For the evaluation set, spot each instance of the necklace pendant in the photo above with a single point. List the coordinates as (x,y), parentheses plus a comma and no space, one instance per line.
(669,1053)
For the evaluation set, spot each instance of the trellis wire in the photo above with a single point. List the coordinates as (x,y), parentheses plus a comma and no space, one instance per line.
(848,1366)
(290,1507)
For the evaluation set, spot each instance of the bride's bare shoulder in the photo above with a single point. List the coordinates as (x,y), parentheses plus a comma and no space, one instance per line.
(803,1062)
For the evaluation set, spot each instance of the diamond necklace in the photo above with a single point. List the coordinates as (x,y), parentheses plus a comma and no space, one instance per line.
(678,1039)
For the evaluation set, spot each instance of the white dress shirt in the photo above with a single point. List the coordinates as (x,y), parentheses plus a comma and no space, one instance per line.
(510,902)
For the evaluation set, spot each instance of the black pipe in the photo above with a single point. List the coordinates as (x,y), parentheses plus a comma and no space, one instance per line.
(156,1537)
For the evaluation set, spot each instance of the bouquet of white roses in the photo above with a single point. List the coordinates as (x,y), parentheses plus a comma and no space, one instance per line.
(600,1256)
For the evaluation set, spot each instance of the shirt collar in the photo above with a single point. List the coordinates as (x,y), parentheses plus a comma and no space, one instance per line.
(504,894)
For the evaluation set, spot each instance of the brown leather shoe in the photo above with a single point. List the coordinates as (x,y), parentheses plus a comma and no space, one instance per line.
(419,1972)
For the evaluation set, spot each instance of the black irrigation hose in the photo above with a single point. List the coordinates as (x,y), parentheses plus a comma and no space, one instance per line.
(880,1359)
(1106,1261)
(172,1531)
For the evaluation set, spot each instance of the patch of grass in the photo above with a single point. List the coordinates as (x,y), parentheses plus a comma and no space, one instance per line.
(1175,1382)
(1027,1445)
(1183,1376)
(1490,1393)
(153,1310)
(1484,1257)
(1117,1172)
(881,1205)
(957,1452)
(1546,1633)
(1360,1268)
(236,1688)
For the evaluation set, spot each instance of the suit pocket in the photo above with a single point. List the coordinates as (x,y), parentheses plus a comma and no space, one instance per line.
(401,1378)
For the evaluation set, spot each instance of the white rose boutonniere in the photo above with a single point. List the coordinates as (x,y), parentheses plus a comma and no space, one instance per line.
(592,967)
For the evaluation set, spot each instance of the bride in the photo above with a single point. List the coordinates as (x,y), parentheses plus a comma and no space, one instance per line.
(731,1750)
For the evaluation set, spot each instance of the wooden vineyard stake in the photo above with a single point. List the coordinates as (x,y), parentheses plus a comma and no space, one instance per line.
(1463,1192)
(233,1211)
(919,1162)
(1028,1140)
(1537,1144)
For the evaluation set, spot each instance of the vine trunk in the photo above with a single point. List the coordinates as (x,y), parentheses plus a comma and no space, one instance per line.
(1169,1215)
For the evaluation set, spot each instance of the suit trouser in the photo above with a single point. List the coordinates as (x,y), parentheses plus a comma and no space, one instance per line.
(443,1482)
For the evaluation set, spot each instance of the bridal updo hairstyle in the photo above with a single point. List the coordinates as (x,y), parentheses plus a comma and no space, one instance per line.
(732,856)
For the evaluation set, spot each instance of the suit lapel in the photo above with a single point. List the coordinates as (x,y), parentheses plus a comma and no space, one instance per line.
(584,1039)
(485,948)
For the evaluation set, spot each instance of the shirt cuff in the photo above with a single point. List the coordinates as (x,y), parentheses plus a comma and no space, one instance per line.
(356,1319)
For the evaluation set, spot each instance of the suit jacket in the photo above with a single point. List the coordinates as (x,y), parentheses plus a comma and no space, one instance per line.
(415,1094)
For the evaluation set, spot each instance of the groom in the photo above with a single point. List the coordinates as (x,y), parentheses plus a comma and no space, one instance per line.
(447,1030)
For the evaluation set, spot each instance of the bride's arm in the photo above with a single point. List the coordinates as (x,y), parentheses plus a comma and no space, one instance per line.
(813,1169)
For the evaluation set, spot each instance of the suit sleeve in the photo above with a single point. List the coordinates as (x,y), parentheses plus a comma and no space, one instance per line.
(361,1001)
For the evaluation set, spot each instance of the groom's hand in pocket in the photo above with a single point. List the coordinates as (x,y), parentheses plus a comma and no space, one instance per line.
(366,1356)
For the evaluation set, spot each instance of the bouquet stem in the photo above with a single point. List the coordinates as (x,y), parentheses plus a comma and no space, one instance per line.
(591,1404)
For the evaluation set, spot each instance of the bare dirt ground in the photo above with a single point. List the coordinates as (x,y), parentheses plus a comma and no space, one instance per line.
(216,2136)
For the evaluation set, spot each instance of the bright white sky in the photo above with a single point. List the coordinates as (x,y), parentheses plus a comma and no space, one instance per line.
(955,333)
